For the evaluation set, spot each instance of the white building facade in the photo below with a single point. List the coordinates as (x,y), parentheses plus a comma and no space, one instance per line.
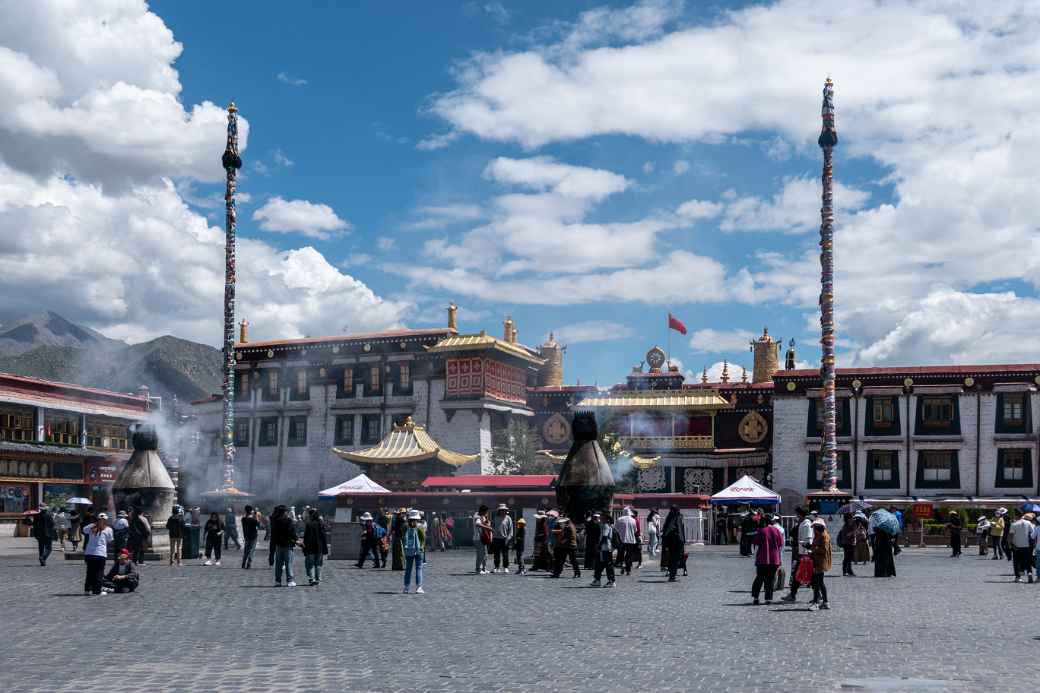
(918,432)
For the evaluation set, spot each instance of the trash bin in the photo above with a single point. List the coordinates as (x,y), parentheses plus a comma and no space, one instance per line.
(190,544)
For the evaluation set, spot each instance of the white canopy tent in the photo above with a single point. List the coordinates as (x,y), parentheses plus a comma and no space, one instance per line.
(746,491)
(359,484)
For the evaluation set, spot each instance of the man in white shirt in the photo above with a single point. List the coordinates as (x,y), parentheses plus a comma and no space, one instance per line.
(798,548)
(626,531)
(1019,537)
(98,536)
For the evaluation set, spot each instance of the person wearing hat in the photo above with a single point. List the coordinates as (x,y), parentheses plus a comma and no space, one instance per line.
(820,549)
(518,544)
(121,532)
(44,533)
(982,534)
(123,577)
(414,546)
(566,547)
(953,526)
(1020,537)
(996,532)
(501,535)
(98,536)
(369,541)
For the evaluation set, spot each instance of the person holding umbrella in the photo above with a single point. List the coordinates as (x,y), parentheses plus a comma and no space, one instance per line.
(886,529)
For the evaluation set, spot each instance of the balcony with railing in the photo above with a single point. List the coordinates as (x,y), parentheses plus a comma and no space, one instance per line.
(659,443)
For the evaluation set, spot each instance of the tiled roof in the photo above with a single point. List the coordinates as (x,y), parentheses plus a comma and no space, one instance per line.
(916,370)
(10,381)
(664,399)
(48,449)
(519,481)
(359,337)
(550,389)
(406,443)
(33,398)
(481,342)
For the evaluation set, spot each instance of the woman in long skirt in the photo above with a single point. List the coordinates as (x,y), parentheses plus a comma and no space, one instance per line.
(884,562)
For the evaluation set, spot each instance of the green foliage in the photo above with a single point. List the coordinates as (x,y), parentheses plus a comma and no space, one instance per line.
(514,451)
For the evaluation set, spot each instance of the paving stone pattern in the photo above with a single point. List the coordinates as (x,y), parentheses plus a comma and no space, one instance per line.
(941,625)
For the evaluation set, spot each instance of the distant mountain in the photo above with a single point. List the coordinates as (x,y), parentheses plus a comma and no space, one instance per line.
(49,346)
(50,329)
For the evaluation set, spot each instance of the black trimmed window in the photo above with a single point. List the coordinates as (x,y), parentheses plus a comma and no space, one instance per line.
(271,389)
(403,377)
(1014,468)
(371,429)
(938,469)
(345,383)
(344,429)
(882,469)
(268,432)
(1013,412)
(938,415)
(299,390)
(374,384)
(814,426)
(814,477)
(882,416)
(297,431)
(242,433)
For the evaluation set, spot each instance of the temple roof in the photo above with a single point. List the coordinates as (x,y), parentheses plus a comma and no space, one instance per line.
(708,400)
(406,443)
(484,342)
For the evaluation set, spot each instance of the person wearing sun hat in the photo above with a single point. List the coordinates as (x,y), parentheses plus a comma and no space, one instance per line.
(996,532)
(566,547)
(369,541)
(518,544)
(98,536)
(820,549)
(123,577)
(501,535)
(414,543)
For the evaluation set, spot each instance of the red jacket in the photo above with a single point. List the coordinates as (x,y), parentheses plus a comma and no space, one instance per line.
(770,545)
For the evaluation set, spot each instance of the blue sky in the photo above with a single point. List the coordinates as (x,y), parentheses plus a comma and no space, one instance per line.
(584,167)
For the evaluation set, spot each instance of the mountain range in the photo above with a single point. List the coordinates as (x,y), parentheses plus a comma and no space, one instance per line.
(46,345)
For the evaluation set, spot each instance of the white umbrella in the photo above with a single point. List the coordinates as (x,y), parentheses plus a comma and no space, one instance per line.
(79,501)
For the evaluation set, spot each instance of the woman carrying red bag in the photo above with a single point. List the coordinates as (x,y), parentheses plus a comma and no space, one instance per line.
(821,558)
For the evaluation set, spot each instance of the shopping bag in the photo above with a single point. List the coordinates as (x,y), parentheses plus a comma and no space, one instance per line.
(805,570)
(781,579)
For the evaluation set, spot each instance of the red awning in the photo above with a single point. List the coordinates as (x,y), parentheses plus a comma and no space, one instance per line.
(491,481)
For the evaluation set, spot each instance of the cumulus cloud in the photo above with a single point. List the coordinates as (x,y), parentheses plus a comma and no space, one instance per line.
(92,137)
(279,157)
(441,216)
(795,208)
(680,167)
(299,216)
(592,331)
(941,97)
(286,78)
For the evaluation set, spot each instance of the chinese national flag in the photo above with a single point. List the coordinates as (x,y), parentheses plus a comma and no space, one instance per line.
(676,324)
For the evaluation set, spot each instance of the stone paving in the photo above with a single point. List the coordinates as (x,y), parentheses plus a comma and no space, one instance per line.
(941,625)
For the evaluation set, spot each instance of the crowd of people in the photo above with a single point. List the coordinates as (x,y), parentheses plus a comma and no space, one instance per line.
(611,546)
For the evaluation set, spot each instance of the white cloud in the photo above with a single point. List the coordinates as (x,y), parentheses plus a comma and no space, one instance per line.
(592,331)
(544,173)
(497,12)
(281,159)
(441,216)
(145,265)
(290,80)
(299,216)
(794,209)
(710,341)
(356,260)
(386,244)
(89,89)
(260,167)
(715,370)
(433,142)
(680,167)
(648,167)
(699,209)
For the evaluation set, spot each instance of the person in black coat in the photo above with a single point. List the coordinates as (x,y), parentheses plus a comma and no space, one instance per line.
(673,539)
(591,541)
(44,532)
(315,546)
(123,577)
(140,531)
(283,541)
(214,533)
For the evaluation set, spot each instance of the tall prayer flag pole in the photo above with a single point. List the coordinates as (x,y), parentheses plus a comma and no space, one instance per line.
(232,162)
(827,141)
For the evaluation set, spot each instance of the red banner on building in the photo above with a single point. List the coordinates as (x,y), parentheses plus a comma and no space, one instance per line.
(921,510)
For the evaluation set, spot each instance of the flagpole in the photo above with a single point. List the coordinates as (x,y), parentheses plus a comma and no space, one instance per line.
(668,339)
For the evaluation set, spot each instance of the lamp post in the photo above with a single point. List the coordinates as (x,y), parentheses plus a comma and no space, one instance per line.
(232,162)
(827,141)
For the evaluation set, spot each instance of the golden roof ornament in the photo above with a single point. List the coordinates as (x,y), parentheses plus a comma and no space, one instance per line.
(725,371)
(704,376)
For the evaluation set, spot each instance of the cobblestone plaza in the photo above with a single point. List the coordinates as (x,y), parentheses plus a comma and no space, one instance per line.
(941,625)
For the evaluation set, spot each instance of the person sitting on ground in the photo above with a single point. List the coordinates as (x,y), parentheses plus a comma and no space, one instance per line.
(123,577)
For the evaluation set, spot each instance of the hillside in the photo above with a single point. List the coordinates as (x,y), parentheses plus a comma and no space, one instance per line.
(53,348)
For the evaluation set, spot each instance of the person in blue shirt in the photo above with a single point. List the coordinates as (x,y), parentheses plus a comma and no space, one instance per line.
(414,541)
